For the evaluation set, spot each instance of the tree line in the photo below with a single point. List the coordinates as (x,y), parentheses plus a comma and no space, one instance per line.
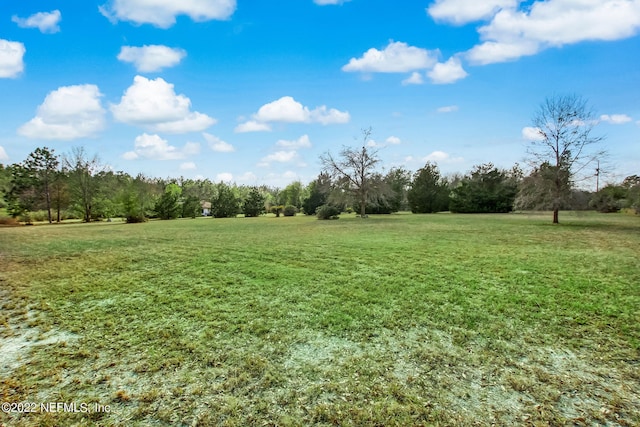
(49,187)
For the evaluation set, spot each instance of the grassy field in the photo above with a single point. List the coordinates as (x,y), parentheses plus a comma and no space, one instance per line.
(394,320)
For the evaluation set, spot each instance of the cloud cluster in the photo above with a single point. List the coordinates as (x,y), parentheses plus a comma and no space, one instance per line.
(46,22)
(153,147)
(11,58)
(615,119)
(302,142)
(154,105)
(439,157)
(288,152)
(162,13)
(69,112)
(461,12)
(329,2)
(217,144)
(447,109)
(151,58)
(530,133)
(514,32)
(447,72)
(399,57)
(288,110)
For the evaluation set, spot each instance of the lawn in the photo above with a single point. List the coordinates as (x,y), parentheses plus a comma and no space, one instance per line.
(393,320)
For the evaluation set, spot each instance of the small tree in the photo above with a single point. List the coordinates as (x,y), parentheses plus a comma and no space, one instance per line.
(42,164)
(225,202)
(429,192)
(632,185)
(486,189)
(168,206)
(293,194)
(318,193)
(83,183)
(254,203)
(563,146)
(59,193)
(399,181)
(356,167)
(22,196)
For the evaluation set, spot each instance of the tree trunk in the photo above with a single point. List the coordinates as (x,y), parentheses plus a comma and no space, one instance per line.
(48,197)
(363,206)
(555,216)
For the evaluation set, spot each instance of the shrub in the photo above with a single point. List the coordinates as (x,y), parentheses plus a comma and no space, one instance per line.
(327,212)
(8,221)
(289,210)
(132,219)
(277,210)
(39,216)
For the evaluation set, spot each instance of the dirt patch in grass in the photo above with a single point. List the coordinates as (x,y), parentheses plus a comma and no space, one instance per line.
(19,337)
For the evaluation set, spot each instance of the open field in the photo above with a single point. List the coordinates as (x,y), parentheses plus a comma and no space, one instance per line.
(394,320)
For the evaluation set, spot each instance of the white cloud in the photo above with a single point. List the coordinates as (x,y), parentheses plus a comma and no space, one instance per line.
(414,79)
(252,126)
(394,140)
(442,157)
(162,13)
(285,109)
(69,112)
(153,147)
(224,176)
(531,133)
(280,157)
(329,2)
(372,143)
(247,178)
(397,57)
(302,142)
(3,154)
(153,104)
(514,33)
(464,11)
(447,72)
(188,166)
(11,54)
(288,110)
(46,22)
(447,109)
(328,116)
(151,58)
(216,144)
(615,119)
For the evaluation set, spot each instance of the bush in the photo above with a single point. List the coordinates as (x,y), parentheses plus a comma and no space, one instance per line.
(40,216)
(327,212)
(277,210)
(4,220)
(133,219)
(289,210)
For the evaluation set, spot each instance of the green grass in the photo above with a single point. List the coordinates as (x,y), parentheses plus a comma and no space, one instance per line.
(394,320)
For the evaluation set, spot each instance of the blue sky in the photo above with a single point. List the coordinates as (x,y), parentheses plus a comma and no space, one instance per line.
(255,91)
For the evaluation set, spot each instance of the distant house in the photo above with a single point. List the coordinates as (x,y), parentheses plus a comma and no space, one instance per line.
(206,208)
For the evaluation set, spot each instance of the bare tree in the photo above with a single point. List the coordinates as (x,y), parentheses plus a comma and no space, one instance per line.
(563,148)
(83,180)
(357,168)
